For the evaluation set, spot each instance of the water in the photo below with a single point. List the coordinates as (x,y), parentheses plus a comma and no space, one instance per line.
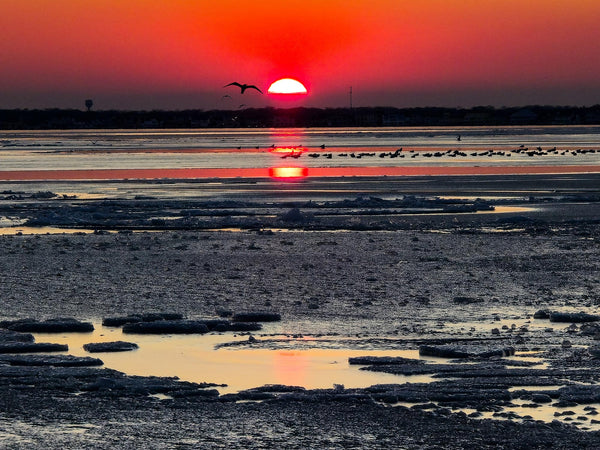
(197,358)
(231,163)
(309,137)
(292,361)
(253,149)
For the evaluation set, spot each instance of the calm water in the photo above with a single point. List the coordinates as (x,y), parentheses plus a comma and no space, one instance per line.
(198,358)
(230,162)
(195,358)
(253,149)
(309,137)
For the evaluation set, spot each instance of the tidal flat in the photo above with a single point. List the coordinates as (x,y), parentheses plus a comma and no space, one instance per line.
(506,298)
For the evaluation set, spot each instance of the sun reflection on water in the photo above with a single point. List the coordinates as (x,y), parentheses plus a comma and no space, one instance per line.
(288,173)
(195,358)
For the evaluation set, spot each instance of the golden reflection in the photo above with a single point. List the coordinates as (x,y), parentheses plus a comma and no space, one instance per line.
(19,230)
(288,152)
(290,368)
(194,358)
(287,141)
(288,173)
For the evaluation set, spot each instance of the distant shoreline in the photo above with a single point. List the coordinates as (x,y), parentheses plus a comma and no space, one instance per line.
(54,118)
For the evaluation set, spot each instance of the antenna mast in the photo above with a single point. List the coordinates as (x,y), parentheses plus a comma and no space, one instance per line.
(350,97)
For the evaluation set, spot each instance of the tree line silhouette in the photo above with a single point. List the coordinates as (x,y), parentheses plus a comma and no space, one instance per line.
(297,117)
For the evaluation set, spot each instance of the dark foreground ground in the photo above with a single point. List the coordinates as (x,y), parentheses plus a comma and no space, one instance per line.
(389,280)
(46,421)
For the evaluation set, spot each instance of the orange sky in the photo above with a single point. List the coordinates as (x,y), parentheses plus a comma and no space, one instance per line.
(178,54)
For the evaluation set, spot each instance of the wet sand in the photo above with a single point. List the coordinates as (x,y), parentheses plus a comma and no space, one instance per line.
(367,274)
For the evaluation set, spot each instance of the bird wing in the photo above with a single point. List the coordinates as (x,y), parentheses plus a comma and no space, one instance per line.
(251,86)
(235,83)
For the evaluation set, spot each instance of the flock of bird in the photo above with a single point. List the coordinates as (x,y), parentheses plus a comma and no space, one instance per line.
(296,152)
(399,153)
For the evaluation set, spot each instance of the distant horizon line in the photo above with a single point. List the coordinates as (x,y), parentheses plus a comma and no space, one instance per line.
(454,108)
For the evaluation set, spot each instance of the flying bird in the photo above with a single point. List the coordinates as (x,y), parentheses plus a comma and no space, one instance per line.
(243,87)
(225,96)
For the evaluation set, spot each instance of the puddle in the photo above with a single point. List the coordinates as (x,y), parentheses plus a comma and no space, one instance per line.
(17,231)
(501,230)
(204,358)
(508,209)
(535,388)
(161,396)
(580,415)
(194,358)
(583,417)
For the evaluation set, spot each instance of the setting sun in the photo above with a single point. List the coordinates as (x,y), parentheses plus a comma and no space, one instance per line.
(287,86)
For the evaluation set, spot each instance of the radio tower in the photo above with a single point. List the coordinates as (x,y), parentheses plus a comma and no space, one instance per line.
(350,97)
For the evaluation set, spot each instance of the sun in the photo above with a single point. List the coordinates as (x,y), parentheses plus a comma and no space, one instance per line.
(287,86)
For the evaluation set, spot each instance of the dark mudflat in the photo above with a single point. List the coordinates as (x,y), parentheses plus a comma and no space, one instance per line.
(118,346)
(397,279)
(31,347)
(48,326)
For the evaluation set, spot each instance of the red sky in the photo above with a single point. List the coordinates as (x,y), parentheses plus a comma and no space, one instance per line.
(157,54)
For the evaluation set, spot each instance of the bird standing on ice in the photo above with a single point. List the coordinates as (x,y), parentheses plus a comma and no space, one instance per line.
(243,87)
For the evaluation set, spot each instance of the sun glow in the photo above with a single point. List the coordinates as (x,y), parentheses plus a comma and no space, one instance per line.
(287,86)
(285,152)
(288,173)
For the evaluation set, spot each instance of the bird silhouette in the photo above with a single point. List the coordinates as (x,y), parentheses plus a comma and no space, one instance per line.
(243,87)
